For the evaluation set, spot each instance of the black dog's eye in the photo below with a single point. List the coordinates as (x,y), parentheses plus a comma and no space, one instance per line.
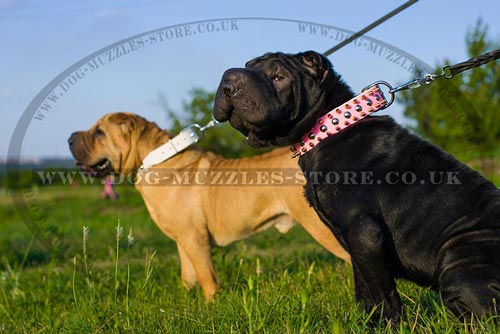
(98,132)
(278,77)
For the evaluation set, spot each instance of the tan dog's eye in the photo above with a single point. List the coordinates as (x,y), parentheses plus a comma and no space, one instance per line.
(98,132)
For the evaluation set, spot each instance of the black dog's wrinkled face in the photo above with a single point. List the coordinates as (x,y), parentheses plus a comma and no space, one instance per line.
(276,97)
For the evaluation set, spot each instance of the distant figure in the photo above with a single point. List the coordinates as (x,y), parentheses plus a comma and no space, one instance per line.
(109,189)
(74,184)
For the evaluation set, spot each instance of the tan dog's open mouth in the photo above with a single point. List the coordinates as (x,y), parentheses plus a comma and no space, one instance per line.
(100,169)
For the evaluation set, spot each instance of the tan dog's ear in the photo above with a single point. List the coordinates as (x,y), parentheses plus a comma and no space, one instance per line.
(132,124)
(127,122)
(317,65)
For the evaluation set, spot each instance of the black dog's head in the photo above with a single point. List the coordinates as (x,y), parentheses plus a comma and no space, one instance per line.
(278,96)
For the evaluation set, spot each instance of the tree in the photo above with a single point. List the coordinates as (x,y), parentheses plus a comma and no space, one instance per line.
(462,114)
(222,139)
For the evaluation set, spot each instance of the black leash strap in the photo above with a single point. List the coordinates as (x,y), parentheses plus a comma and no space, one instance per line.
(452,70)
(369,27)
(448,72)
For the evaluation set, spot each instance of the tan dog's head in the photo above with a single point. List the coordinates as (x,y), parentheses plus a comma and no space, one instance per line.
(116,143)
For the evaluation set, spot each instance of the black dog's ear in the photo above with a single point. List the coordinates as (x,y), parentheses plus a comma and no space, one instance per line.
(252,62)
(264,57)
(315,64)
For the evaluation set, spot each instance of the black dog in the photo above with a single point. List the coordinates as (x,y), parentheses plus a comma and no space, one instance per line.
(402,220)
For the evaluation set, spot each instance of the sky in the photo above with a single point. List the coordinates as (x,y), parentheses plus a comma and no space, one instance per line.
(180,45)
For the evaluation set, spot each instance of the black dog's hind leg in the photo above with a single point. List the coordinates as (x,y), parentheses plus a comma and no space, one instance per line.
(470,284)
(375,285)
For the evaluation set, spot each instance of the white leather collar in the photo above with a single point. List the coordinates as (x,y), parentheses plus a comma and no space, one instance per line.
(179,143)
(187,137)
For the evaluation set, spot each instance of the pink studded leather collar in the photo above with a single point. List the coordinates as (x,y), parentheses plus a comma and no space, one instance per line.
(369,101)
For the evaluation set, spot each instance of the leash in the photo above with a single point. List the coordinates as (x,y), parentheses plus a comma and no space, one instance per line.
(370,27)
(447,72)
(372,99)
(186,138)
(189,136)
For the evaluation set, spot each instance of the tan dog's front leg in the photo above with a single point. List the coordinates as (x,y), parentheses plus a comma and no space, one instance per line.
(322,234)
(188,274)
(197,249)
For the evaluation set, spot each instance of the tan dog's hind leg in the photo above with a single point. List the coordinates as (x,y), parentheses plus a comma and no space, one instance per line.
(188,274)
(197,249)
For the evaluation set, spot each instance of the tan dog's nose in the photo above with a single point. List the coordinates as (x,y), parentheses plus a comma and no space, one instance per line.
(71,139)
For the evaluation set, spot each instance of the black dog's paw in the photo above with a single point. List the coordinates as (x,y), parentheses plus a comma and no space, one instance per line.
(393,317)
(381,316)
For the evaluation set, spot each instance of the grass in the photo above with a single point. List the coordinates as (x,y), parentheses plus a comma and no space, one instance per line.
(119,274)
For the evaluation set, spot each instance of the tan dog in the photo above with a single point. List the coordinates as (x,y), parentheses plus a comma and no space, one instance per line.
(193,214)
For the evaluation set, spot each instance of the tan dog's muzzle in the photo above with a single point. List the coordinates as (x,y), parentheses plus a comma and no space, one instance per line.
(80,146)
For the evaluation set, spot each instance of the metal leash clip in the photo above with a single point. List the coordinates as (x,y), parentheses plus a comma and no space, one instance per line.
(201,129)
(427,79)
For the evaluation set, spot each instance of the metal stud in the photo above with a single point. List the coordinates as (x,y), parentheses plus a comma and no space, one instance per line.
(323,128)
(304,149)
(320,139)
(335,121)
(347,106)
(301,143)
(338,111)
(311,136)
(320,121)
(369,102)
(293,148)
(358,108)
(330,116)
(311,144)
(377,97)
(347,114)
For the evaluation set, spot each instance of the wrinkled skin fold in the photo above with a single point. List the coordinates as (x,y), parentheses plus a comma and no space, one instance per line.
(444,233)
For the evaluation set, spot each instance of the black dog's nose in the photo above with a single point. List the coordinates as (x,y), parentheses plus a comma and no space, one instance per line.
(232,80)
(228,89)
(228,93)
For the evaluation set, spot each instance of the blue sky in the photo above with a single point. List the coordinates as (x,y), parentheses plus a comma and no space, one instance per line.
(41,39)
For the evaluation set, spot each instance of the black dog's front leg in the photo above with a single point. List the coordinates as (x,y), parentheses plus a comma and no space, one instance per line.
(361,291)
(375,285)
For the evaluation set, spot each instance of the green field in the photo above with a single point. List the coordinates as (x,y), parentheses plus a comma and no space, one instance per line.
(271,283)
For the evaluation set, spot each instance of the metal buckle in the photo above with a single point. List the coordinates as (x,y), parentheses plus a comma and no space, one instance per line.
(389,87)
(200,133)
